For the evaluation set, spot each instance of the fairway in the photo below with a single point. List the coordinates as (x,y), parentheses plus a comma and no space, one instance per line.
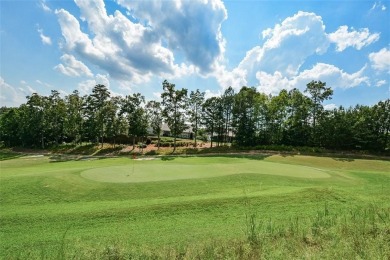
(84,209)
(193,168)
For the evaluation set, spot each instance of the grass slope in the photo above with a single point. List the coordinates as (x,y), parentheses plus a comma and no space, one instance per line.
(91,209)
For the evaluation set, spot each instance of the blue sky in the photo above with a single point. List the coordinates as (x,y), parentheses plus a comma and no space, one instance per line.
(133,45)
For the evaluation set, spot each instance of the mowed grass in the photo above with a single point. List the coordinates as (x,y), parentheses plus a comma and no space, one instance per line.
(84,209)
(194,168)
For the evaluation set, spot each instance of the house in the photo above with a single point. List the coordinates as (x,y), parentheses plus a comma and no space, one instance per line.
(165,131)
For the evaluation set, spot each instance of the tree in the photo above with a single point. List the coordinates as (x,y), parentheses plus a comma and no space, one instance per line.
(174,102)
(227,103)
(154,112)
(115,122)
(245,117)
(297,121)
(10,125)
(55,113)
(74,117)
(135,115)
(195,103)
(34,121)
(277,116)
(382,114)
(98,101)
(318,93)
(212,116)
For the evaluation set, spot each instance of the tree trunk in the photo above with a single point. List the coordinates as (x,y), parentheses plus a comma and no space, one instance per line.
(211,138)
(43,142)
(195,142)
(158,141)
(174,144)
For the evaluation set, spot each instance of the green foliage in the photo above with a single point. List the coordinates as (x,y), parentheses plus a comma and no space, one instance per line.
(195,103)
(247,118)
(6,154)
(175,104)
(244,115)
(155,117)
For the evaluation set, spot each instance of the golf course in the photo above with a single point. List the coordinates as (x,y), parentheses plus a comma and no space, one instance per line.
(252,206)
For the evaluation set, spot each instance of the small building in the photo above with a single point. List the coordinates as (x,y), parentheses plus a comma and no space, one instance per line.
(165,131)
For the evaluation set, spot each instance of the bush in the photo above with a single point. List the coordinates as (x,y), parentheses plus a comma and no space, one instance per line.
(141,145)
(148,141)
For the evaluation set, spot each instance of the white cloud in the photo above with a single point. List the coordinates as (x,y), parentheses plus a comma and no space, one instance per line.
(45,39)
(380,83)
(192,27)
(330,106)
(12,96)
(357,39)
(304,33)
(44,6)
(235,78)
(380,60)
(273,83)
(157,96)
(276,65)
(333,76)
(72,67)
(26,87)
(47,85)
(378,5)
(134,52)
(210,94)
(85,87)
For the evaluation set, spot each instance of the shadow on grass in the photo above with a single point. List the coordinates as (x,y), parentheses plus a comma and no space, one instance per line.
(168,158)
(257,157)
(344,159)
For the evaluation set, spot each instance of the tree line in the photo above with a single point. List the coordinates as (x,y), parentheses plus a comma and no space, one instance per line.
(247,118)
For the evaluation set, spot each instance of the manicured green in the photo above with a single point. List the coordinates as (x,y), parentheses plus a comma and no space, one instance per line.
(194,168)
(97,207)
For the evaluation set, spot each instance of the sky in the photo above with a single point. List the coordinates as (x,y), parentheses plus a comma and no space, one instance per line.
(132,46)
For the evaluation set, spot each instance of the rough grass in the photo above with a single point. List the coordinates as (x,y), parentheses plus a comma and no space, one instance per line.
(6,154)
(49,210)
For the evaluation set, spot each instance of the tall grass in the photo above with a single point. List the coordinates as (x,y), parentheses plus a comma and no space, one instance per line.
(359,233)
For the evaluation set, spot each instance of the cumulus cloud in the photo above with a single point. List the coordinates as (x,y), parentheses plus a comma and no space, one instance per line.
(380,60)
(11,96)
(72,67)
(136,51)
(276,65)
(343,38)
(235,78)
(304,33)
(85,87)
(193,27)
(45,39)
(332,75)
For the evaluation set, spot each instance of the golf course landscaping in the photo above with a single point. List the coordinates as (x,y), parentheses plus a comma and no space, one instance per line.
(236,206)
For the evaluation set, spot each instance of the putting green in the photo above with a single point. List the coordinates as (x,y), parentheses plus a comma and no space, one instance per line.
(193,168)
